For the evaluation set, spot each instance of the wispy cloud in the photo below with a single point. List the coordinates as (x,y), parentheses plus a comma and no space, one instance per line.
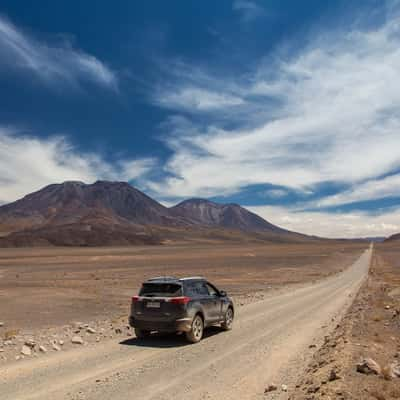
(373,189)
(27,163)
(333,225)
(53,64)
(249,10)
(327,113)
(198,99)
(190,89)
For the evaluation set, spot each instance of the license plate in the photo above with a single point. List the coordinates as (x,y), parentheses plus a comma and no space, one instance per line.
(153,304)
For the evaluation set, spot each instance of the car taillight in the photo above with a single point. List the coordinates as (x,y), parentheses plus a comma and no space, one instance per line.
(180,300)
(135,299)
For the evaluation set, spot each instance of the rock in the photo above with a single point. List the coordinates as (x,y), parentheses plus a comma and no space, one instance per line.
(369,366)
(1,324)
(77,340)
(30,343)
(26,351)
(284,388)
(42,349)
(333,376)
(118,331)
(270,388)
(387,307)
(395,368)
(61,342)
(313,389)
(90,330)
(56,347)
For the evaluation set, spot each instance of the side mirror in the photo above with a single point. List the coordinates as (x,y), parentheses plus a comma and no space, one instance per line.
(222,293)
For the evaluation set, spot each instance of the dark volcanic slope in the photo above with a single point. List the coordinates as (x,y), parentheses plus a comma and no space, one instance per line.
(69,202)
(104,213)
(393,238)
(230,216)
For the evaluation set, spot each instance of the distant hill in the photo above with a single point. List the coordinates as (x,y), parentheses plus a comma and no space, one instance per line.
(393,238)
(232,216)
(115,213)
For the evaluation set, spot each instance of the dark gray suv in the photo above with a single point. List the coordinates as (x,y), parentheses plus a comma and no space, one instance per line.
(189,305)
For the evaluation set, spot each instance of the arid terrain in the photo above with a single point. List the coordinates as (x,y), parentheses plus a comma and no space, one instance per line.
(287,297)
(55,286)
(361,359)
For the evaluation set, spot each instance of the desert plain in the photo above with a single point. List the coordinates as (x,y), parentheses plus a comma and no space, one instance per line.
(46,287)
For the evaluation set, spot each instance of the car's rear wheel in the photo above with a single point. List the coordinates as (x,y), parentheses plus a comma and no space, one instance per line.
(196,332)
(228,321)
(141,334)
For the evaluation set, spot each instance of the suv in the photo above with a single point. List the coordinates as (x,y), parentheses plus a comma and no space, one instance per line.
(189,305)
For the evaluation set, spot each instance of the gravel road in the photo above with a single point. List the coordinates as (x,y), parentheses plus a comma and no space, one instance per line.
(270,343)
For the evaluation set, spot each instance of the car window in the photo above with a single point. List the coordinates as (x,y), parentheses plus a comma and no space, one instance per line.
(196,289)
(161,290)
(211,290)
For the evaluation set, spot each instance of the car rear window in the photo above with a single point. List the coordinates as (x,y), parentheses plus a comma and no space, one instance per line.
(161,290)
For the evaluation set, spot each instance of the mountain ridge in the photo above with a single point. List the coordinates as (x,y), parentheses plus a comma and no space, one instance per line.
(104,212)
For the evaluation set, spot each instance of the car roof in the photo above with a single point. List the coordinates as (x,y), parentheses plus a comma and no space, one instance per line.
(172,279)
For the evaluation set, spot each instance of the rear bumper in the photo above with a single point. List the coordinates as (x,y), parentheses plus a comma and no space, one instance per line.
(179,325)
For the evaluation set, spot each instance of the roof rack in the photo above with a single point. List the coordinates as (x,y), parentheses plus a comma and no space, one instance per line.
(192,277)
(163,278)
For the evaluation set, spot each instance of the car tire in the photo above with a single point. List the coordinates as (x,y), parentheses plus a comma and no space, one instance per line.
(228,320)
(141,334)
(196,332)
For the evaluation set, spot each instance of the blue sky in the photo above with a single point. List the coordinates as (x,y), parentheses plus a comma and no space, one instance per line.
(288,108)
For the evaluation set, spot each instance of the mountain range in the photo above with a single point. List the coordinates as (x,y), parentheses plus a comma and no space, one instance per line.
(116,213)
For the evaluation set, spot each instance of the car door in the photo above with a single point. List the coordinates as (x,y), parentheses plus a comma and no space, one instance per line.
(216,302)
(202,295)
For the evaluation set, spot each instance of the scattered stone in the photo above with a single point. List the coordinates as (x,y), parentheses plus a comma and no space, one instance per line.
(118,331)
(61,342)
(77,340)
(369,366)
(313,389)
(90,330)
(56,347)
(284,388)
(387,307)
(1,324)
(395,367)
(270,388)
(26,351)
(42,349)
(30,343)
(333,376)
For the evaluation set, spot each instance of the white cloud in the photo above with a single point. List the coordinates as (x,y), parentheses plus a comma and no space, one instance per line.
(53,64)
(331,112)
(190,89)
(350,225)
(249,10)
(28,163)
(198,99)
(370,190)
(276,193)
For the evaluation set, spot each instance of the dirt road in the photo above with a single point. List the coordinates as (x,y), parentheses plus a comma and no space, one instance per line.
(269,343)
